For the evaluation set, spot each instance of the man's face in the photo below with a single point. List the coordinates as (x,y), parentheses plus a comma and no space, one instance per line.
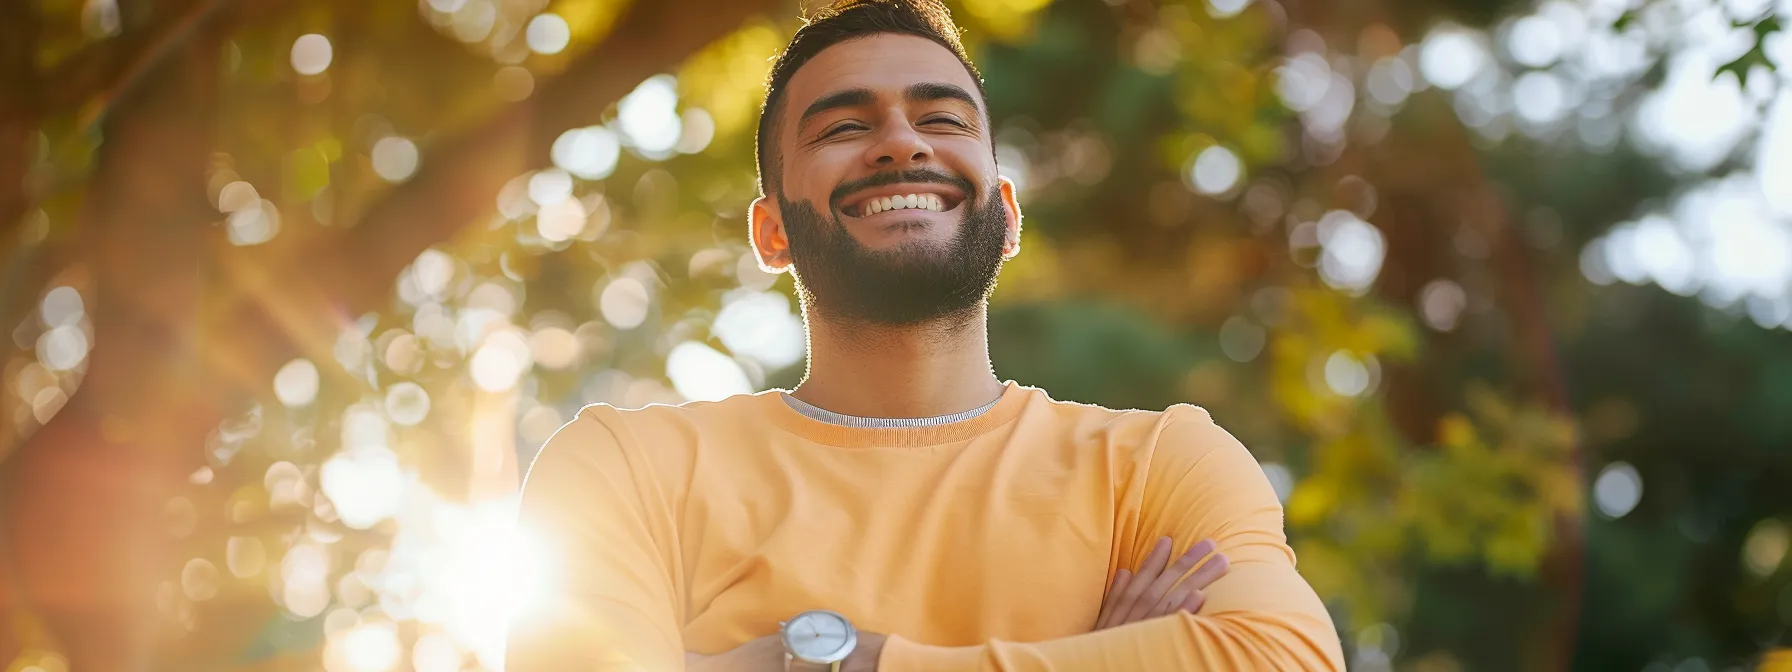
(889,207)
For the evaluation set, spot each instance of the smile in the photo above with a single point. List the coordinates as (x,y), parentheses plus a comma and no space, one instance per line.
(925,197)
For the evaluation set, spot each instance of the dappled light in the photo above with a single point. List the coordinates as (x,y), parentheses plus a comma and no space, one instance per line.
(1499,297)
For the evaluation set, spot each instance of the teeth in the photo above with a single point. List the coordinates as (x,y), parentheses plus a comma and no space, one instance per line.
(929,202)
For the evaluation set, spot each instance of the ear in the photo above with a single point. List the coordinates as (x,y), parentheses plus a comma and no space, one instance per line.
(765,229)
(1011,207)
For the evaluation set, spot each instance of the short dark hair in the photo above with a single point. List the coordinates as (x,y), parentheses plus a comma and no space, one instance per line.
(844,21)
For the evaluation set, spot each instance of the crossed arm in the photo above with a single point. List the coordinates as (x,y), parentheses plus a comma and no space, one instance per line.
(621,612)
(1159,588)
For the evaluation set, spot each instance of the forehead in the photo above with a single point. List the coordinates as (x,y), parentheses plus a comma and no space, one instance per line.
(885,63)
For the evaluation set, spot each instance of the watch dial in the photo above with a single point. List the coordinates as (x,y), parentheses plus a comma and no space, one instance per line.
(817,635)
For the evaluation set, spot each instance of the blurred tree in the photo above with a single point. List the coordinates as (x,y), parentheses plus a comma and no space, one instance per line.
(294,288)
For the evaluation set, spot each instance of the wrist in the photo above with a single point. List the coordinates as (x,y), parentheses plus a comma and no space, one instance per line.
(864,656)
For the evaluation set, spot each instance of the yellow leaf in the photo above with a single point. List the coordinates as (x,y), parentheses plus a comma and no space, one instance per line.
(1310,501)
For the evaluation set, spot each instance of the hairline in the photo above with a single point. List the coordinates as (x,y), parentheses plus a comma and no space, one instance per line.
(771,118)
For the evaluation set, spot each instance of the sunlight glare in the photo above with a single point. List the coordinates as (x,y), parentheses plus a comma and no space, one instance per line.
(648,116)
(700,373)
(760,325)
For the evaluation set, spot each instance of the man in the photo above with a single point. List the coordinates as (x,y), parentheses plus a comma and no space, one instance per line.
(903,509)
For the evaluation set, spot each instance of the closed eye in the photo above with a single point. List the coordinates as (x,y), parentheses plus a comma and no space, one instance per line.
(839,129)
(947,120)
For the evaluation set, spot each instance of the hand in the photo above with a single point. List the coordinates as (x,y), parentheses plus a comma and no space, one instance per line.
(1154,591)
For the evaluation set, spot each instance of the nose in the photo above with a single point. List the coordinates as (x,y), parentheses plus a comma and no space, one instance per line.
(898,147)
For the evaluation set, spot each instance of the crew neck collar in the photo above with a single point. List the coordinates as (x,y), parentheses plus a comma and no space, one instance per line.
(1006,408)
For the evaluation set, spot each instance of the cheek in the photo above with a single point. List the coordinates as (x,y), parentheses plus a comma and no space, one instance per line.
(816,176)
(968,157)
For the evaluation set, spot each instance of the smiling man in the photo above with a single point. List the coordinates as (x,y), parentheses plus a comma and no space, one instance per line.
(903,508)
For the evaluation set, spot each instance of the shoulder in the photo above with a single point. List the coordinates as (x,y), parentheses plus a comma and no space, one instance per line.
(671,425)
(1175,438)
(1128,427)
(656,438)
(1190,445)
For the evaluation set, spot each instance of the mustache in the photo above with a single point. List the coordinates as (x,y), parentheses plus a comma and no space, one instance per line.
(917,175)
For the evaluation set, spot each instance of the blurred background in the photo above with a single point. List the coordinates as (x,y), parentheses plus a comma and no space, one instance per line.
(1498,292)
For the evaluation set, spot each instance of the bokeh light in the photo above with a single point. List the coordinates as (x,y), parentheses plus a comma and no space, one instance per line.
(761,325)
(246,557)
(561,221)
(407,403)
(377,512)
(1451,56)
(502,360)
(297,382)
(1240,339)
(513,83)
(550,186)
(199,580)
(311,54)
(699,128)
(700,373)
(1617,489)
(253,224)
(394,158)
(648,116)
(1353,251)
(1441,303)
(554,347)
(62,348)
(1216,170)
(1346,375)
(62,307)
(624,303)
(548,34)
(589,152)
(1765,547)
(365,485)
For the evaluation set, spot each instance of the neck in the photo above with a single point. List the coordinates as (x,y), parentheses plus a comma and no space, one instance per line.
(879,371)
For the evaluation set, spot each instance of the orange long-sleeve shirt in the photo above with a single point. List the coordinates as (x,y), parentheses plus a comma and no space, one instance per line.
(983,544)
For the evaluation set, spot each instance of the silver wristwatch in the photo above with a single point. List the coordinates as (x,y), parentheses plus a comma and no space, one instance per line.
(817,640)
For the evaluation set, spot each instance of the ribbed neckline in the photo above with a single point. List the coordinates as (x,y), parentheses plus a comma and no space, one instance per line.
(1007,407)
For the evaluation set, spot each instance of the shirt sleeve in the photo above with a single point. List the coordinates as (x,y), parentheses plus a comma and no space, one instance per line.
(605,538)
(1200,483)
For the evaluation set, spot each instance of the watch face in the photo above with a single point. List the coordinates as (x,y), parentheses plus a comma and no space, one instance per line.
(817,635)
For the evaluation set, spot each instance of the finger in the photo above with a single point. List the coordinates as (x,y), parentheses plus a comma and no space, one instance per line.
(1147,574)
(1210,571)
(1172,603)
(1192,603)
(1122,578)
(1160,586)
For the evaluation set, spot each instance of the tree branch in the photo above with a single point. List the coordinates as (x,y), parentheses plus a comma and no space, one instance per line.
(19,89)
(110,68)
(460,178)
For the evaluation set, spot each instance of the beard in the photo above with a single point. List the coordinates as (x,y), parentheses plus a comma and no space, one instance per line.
(913,283)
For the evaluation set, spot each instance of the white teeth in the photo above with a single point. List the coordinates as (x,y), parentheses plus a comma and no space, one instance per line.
(930,202)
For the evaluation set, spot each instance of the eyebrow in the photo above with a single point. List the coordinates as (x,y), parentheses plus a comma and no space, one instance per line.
(837,99)
(924,91)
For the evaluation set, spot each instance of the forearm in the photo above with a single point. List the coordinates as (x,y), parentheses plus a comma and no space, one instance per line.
(1180,641)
